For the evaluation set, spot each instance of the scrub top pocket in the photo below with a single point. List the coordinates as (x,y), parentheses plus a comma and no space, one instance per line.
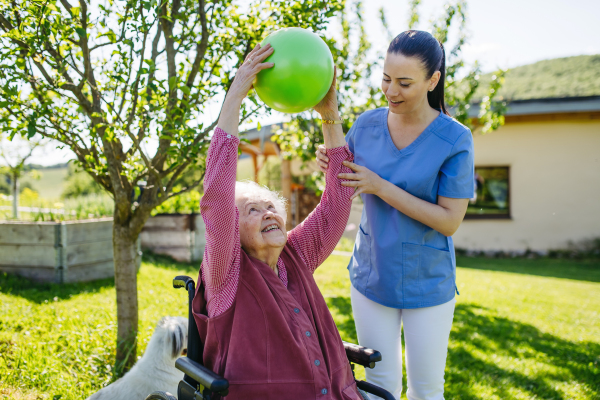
(426,272)
(360,264)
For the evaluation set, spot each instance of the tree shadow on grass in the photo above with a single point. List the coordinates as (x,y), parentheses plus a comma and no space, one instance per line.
(478,336)
(15,285)
(36,292)
(477,330)
(581,270)
(341,308)
(166,262)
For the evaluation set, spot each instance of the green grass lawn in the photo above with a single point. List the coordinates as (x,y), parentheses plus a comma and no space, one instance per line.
(523,329)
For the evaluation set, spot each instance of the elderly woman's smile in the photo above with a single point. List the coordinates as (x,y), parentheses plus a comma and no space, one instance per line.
(271,228)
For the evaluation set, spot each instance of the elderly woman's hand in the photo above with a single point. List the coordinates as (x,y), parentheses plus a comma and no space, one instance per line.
(322,159)
(328,107)
(242,83)
(363,179)
(246,74)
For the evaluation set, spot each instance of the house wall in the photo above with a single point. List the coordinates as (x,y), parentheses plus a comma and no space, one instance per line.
(554,186)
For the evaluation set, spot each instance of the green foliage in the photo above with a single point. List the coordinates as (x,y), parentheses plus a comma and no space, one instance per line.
(460,91)
(4,184)
(105,78)
(414,14)
(186,203)
(75,208)
(522,329)
(78,183)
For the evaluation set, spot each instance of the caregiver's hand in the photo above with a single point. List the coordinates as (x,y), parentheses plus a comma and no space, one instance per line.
(363,179)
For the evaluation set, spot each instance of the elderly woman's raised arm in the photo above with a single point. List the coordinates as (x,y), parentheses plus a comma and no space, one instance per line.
(221,262)
(220,215)
(316,237)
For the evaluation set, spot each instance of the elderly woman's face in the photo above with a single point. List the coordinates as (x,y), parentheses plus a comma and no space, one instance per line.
(261,226)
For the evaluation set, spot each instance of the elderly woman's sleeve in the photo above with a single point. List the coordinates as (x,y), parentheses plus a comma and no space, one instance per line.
(221,262)
(316,237)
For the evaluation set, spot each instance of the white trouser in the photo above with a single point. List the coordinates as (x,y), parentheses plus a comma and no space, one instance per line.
(426,332)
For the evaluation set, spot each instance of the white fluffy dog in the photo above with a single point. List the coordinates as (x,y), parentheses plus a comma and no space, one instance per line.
(155,371)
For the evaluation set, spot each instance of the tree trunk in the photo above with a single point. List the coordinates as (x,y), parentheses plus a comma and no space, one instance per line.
(15,193)
(125,253)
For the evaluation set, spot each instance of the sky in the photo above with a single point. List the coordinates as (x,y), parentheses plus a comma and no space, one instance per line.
(502,34)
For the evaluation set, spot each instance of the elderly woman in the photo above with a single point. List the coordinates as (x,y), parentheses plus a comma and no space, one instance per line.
(264,324)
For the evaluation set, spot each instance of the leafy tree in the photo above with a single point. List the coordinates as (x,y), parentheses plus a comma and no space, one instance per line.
(356,92)
(14,156)
(127,86)
(79,183)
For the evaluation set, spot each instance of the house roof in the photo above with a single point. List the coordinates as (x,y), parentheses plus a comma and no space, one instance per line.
(547,106)
(263,135)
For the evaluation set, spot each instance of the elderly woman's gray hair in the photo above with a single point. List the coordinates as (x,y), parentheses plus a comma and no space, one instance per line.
(246,187)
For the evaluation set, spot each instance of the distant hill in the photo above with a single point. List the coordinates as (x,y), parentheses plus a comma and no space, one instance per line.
(41,167)
(559,77)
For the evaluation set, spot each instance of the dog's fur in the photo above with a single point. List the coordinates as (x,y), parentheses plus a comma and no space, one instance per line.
(155,371)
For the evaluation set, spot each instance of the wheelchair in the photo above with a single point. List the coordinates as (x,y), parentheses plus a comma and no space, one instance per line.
(200,383)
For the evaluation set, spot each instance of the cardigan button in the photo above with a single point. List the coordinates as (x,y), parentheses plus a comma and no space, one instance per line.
(296,310)
(308,333)
(324,391)
(317,363)
(228,136)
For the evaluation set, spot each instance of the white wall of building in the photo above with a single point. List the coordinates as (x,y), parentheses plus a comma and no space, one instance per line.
(554,186)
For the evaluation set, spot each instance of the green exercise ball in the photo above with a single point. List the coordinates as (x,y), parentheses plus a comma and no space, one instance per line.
(302,74)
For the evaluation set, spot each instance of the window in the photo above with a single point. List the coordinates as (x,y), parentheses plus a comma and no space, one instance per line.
(492,198)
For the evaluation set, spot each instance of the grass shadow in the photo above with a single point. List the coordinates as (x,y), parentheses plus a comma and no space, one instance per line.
(480,340)
(36,292)
(341,308)
(15,285)
(581,270)
(166,262)
(486,336)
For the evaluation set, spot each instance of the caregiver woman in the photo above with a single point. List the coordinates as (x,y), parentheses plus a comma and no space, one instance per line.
(414,171)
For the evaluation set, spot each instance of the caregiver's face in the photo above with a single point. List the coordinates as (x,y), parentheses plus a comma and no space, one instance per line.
(261,226)
(405,83)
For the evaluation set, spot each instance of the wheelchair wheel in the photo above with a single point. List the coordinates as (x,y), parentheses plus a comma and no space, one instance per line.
(161,396)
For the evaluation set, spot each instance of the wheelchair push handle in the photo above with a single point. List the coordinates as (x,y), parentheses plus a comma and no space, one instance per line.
(183,281)
(202,375)
(361,355)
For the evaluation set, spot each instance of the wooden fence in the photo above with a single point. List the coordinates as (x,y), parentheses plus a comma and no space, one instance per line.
(77,251)
(180,236)
(59,252)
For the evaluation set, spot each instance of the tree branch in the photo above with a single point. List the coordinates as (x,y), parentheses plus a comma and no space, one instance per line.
(201,47)
(88,70)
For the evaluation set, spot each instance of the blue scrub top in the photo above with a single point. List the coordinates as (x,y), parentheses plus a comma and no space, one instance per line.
(397,261)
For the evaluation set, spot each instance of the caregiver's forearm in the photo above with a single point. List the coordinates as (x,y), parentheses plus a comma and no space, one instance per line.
(333,133)
(444,218)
